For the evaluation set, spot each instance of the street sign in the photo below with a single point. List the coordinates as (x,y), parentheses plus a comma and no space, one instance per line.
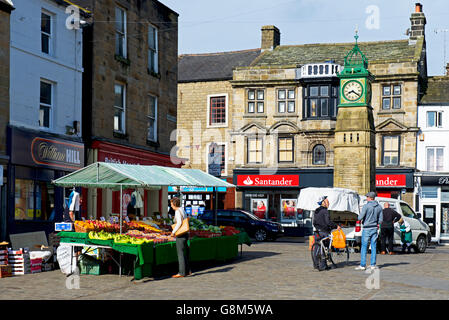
(63,226)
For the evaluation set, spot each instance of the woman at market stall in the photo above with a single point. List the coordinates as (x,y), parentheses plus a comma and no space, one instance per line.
(182,247)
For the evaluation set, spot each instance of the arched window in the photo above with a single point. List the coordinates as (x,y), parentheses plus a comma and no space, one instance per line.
(319,154)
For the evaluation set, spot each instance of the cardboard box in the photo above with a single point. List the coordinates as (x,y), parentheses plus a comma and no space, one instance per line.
(5,271)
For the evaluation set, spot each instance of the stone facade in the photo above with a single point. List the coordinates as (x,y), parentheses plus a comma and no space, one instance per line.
(133,71)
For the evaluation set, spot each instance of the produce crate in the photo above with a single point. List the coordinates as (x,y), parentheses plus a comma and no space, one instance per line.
(90,266)
(5,271)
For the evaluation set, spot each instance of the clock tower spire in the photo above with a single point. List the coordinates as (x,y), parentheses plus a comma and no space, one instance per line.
(354,147)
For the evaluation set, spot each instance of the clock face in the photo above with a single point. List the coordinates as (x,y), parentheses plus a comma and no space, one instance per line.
(353,90)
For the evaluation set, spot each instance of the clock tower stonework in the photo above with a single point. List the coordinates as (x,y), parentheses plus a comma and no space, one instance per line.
(354,147)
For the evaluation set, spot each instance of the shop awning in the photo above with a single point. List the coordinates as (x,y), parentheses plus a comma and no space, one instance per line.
(116,176)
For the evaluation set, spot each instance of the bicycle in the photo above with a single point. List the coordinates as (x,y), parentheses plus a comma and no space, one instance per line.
(335,256)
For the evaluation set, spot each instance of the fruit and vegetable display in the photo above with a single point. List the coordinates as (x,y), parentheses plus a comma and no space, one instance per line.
(199,229)
(229,230)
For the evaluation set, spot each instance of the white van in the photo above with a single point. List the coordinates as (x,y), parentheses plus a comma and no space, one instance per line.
(420,230)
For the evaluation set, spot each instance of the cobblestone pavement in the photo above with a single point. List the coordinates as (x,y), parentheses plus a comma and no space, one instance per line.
(272,270)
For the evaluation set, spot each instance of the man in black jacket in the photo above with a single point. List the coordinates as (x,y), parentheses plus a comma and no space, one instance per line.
(324,225)
(387,228)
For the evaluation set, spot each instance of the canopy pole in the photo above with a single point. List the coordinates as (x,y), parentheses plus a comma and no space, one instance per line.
(215,206)
(121,207)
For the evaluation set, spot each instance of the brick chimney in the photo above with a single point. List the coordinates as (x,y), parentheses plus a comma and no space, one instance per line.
(418,23)
(271,38)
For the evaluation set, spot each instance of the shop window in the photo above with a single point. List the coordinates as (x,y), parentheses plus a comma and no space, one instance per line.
(256,100)
(255,150)
(34,200)
(435,159)
(24,199)
(288,208)
(391,96)
(285,149)
(429,192)
(319,154)
(390,156)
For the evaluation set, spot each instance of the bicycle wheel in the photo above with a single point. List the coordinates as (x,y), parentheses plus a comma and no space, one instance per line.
(339,257)
(316,255)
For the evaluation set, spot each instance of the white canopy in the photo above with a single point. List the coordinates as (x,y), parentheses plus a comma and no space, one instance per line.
(340,199)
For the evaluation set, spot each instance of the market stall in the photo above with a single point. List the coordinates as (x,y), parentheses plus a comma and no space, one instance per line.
(148,241)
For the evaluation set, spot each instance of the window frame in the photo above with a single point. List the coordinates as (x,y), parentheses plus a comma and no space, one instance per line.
(314,160)
(292,151)
(123,119)
(49,35)
(224,170)
(392,96)
(209,114)
(153,66)
(154,118)
(123,34)
(286,100)
(398,150)
(438,119)
(256,101)
(331,100)
(435,167)
(248,151)
(50,106)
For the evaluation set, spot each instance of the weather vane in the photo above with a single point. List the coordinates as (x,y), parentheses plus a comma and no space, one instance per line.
(356,33)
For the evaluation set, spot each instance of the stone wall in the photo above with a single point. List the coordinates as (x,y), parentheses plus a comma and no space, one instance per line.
(134,72)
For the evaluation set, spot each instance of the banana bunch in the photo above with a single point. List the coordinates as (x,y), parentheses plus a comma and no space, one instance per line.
(102,235)
(123,238)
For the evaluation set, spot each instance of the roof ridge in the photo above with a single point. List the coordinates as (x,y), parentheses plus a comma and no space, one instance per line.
(339,43)
(217,53)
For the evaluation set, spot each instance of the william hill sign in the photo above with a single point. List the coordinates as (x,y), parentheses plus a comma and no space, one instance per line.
(44,151)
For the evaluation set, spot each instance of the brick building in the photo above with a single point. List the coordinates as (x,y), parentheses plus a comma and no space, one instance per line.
(129,92)
(283,108)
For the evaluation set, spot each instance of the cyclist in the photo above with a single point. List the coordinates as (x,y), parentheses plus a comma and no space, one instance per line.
(323,225)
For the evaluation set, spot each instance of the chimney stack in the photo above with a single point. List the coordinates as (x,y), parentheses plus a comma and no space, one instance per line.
(271,38)
(418,22)
(447,69)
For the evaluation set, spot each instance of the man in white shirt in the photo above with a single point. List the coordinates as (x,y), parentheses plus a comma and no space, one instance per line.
(74,205)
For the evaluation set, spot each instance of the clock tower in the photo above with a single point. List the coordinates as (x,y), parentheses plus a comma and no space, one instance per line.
(354,147)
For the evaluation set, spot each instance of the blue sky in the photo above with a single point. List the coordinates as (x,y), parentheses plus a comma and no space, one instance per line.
(227,25)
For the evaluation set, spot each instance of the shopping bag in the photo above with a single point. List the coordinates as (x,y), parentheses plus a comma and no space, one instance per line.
(183,229)
(338,239)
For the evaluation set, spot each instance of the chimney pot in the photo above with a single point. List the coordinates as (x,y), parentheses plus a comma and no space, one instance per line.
(418,7)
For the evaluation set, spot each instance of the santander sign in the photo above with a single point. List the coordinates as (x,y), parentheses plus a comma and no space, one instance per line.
(277,180)
(392,180)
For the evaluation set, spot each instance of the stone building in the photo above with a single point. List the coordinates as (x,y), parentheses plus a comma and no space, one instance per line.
(283,116)
(6,7)
(205,117)
(129,93)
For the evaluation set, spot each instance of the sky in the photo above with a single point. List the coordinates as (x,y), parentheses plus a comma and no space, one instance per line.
(207,26)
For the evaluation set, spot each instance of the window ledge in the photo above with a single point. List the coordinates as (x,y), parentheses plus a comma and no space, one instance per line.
(123,60)
(399,111)
(151,143)
(319,119)
(286,115)
(247,115)
(120,135)
(154,74)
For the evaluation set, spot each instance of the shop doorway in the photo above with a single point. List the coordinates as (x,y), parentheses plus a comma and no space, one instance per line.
(429,212)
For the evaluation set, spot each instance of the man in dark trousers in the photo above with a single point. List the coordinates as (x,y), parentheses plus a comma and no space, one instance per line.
(390,216)
(323,224)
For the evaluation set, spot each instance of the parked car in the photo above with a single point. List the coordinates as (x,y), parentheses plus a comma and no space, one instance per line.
(420,230)
(257,228)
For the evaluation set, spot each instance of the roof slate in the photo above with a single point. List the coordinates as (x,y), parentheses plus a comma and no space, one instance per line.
(213,66)
(397,50)
(437,91)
